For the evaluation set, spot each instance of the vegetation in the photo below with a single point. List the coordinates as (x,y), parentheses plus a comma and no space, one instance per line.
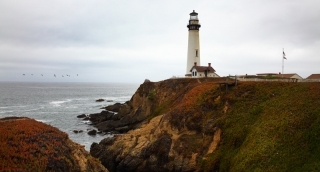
(266,126)
(151,95)
(28,145)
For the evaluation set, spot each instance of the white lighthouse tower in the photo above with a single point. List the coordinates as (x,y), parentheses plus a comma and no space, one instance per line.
(193,43)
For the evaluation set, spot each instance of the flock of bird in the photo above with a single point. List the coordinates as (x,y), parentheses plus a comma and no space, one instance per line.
(53,75)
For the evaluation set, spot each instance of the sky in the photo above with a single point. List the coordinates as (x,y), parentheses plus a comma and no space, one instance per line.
(130,41)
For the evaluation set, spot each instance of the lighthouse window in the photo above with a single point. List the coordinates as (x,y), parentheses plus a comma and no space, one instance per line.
(196,53)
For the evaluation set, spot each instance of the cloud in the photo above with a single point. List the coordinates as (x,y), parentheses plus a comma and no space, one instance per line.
(134,40)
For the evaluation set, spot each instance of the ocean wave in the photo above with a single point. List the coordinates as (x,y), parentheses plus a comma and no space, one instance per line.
(35,109)
(6,107)
(72,107)
(58,103)
(6,111)
(86,122)
(44,121)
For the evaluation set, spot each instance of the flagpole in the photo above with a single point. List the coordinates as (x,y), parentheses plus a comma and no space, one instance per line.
(282,62)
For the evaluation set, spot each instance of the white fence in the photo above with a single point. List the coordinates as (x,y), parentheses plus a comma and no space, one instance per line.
(310,80)
(278,80)
(259,79)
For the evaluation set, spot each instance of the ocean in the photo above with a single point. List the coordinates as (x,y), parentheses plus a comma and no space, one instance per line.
(58,104)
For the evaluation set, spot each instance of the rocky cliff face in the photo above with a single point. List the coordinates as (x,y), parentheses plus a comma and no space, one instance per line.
(164,140)
(151,99)
(193,125)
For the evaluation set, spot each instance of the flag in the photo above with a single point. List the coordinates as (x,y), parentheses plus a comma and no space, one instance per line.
(284,56)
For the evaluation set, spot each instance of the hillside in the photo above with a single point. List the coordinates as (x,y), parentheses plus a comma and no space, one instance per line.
(192,125)
(29,145)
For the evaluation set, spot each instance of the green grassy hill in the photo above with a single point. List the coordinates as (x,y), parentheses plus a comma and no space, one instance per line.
(266,126)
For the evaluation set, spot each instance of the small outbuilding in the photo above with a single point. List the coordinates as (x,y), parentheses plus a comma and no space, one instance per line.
(289,75)
(314,77)
(203,71)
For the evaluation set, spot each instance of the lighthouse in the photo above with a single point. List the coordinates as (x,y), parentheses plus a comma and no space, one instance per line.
(193,42)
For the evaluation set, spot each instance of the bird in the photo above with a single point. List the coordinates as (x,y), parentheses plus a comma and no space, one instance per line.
(32,74)
(41,75)
(54,75)
(77,74)
(62,76)
(23,74)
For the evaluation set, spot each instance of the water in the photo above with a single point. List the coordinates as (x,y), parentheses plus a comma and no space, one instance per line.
(58,104)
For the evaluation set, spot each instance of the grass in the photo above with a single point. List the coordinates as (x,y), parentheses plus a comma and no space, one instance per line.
(274,127)
(28,145)
(268,126)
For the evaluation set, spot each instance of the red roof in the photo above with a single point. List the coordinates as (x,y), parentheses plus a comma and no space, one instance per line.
(203,68)
(267,74)
(286,75)
(314,76)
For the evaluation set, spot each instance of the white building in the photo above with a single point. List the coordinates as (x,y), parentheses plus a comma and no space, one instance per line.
(289,75)
(193,58)
(313,78)
(203,71)
(193,42)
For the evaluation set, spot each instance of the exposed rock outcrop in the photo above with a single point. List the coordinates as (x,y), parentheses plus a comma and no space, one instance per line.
(82,116)
(119,118)
(99,100)
(92,132)
(155,144)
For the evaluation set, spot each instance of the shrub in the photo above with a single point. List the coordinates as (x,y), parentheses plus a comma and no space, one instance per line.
(151,95)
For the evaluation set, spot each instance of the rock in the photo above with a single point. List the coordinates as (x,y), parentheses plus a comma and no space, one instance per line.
(107,159)
(116,117)
(109,100)
(86,118)
(100,117)
(92,132)
(81,116)
(146,80)
(77,131)
(114,132)
(152,156)
(124,110)
(99,100)
(122,129)
(108,126)
(114,108)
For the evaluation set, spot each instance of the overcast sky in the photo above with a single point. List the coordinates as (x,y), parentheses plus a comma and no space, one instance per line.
(129,41)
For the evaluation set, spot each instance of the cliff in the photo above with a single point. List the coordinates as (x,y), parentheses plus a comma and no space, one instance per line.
(29,145)
(193,125)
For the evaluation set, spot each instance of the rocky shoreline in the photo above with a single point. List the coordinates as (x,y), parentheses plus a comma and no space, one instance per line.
(112,120)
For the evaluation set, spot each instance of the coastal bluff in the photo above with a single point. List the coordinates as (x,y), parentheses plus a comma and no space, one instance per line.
(194,125)
(29,145)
